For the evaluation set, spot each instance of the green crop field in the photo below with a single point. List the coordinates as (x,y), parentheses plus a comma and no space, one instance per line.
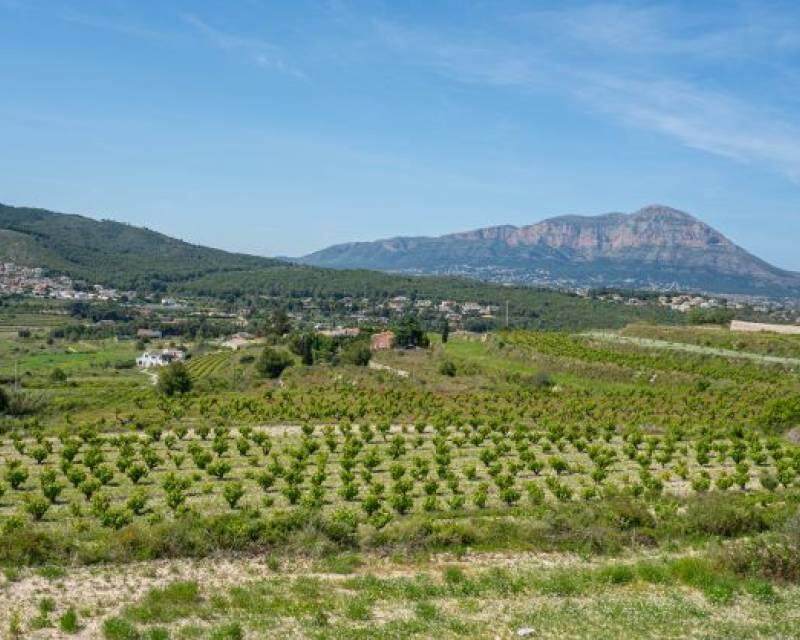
(209,364)
(491,485)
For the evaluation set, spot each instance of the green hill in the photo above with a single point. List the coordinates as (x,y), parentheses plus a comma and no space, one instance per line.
(108,252)
(124,256)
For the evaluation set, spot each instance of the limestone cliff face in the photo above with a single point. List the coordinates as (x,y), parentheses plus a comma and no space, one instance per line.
(653,245)
(613,233)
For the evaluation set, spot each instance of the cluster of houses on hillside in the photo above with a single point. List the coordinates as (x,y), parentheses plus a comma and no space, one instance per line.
(33,281)
(375,312)
(686,303)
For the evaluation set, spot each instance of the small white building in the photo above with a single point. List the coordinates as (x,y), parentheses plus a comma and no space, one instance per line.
(151,359)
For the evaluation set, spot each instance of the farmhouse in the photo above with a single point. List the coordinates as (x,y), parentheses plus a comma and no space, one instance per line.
(341,332)
(148,333)
(382,341)
(151,359)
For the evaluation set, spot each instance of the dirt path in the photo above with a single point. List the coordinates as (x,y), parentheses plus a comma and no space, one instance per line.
(692,348)
(377,366)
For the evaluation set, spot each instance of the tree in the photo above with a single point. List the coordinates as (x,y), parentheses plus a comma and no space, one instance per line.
(4,401)
(279,323)
(174,379)
(356,353)
(272,362)
(710,316)
(307,350)
(445,331)
(408,334)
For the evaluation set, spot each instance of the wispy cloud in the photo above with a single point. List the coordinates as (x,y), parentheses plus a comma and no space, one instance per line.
(255,50)
(665,29)
(457,57)
(120,25)
(714,122)
(620,73)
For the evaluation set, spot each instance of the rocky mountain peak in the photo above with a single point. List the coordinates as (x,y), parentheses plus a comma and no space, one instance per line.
(657,246)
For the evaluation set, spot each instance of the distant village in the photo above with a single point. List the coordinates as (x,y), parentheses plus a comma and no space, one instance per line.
(346,314)
(33,281)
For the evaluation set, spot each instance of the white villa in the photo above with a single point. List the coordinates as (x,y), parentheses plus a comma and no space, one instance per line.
(151,359)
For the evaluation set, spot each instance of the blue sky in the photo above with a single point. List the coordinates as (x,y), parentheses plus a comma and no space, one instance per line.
(279,127)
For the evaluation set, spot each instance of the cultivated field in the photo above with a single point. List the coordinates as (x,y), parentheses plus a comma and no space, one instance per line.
(523,483)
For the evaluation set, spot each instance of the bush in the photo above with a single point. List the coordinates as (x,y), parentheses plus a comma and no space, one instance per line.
(722,515)
(448,368)
(36,506)
(58,376)
(21,403)
(356,353)
(271,363)
(233,492)
(775,557)
(174,379)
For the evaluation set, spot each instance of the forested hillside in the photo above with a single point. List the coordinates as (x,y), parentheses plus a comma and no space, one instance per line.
(108,252)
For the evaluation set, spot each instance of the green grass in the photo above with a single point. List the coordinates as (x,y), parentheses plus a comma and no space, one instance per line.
(173,602)
(628,599)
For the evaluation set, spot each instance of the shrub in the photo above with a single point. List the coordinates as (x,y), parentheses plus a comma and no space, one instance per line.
(448,368)
(271,363)
(37,506)
(137,502)
(356,353)
(136,472)
(16,476)
(723,515)
(219,468)
(22,403)
(233,492)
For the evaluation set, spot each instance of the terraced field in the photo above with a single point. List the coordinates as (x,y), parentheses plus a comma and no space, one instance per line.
(209,364)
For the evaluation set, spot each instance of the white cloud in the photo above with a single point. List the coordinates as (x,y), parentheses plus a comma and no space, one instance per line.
(713,122)
(633,87)
(738,30)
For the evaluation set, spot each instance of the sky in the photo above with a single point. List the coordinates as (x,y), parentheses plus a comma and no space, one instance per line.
(279,128)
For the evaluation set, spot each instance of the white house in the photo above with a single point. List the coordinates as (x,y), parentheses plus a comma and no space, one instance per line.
(151,359)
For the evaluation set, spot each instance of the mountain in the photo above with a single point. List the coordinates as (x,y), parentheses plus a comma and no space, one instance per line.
(655,247)
(125,256)
(107,252)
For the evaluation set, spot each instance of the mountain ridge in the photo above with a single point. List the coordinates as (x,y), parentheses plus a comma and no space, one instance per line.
(106,251)
(656,247)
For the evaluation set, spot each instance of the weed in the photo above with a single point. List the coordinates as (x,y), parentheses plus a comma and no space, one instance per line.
(120,629)
(68,622)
